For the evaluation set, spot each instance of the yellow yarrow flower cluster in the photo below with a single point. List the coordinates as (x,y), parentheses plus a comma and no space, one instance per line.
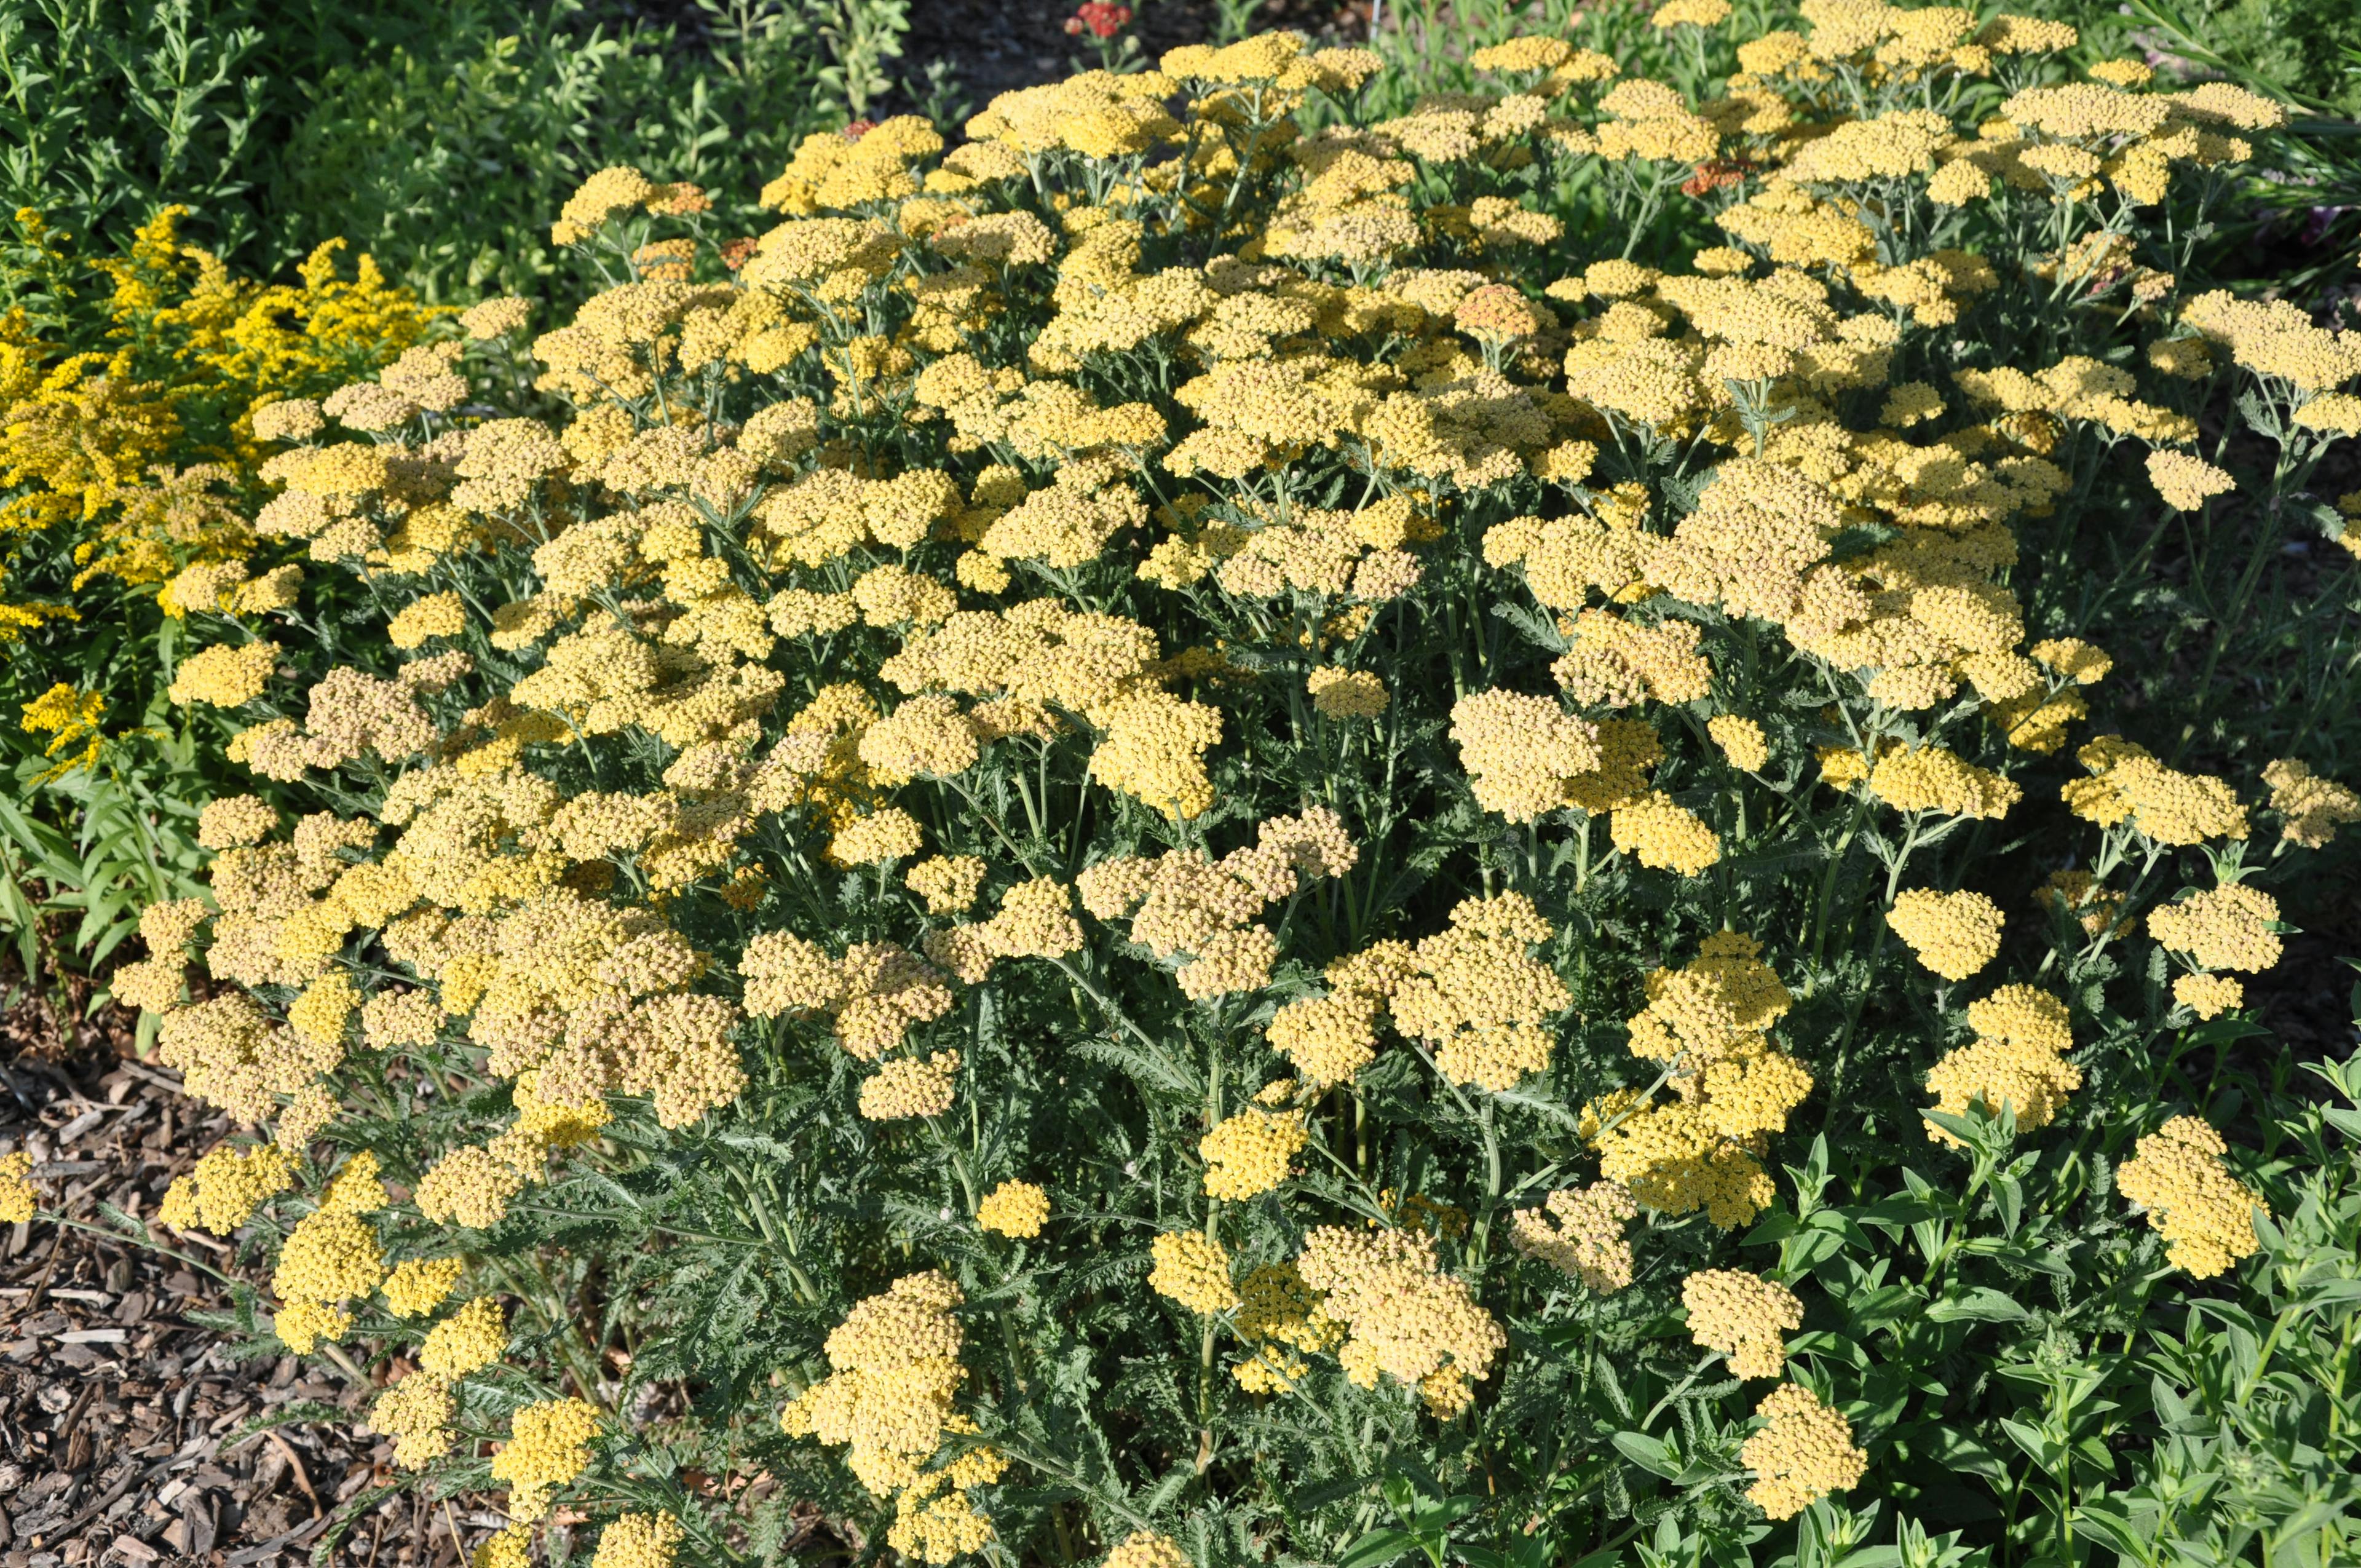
(2016,1059)
(1709,1022)
(548,1446)
(17,1199)
(1016,1209)
(1804,1452)
(1404,1318)
(1581,1231)
(2204,1213)
(1953,934)
(1741,1316)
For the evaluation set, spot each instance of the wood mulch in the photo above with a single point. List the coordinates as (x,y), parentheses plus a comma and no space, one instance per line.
(127,1433)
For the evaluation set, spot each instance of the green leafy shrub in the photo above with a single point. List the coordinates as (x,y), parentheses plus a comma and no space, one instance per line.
(283,123)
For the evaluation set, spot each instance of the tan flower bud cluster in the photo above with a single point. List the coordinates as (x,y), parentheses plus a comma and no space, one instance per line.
(1146,1549)
(1185,904)
(2205,1214)
(1743,1317)
(874,994)
(1619,662)
(1580,1232)
(416,1413)
(1338,692)
(948,883)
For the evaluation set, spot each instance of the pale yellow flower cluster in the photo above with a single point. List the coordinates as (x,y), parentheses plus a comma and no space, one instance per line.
(1017,1209)
(896,1367)
(1194,1269)
(2205,1214)
(549,1446)
(2223,927)
(1403,1317)
(2312,808)
(17,1199)
(1580,1232)
(1710,1024)
(1248,1153)
(1803,1452)
(1279,1316)
(1743,1317)
(1194,910)
(2128,784)
(2016,1059)
(1953,934)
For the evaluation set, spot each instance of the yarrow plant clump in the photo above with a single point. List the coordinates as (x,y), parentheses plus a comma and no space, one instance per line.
(1244,803)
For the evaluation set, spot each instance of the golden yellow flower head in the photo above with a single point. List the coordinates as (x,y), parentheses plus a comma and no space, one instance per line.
(2015,1059)
(639,1540)
(2208,995)
(1193,1268)
(1016,1209)
(1248,1154)
(2204,1213)
(1803,1453)
(17,1199)
(329,1256)
(1954,934)
(1743,1317)
(419,1285)
(549,1446)
(467,1341)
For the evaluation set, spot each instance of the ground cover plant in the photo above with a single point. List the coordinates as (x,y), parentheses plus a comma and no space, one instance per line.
(1256,820)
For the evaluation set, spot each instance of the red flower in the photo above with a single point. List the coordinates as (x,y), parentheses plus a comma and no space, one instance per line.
(1103,20)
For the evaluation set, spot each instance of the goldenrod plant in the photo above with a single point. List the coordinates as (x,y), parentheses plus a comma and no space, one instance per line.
(128,455)
(1214,826)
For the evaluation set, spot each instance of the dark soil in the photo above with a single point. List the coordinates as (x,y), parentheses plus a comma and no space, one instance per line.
(128,1435)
